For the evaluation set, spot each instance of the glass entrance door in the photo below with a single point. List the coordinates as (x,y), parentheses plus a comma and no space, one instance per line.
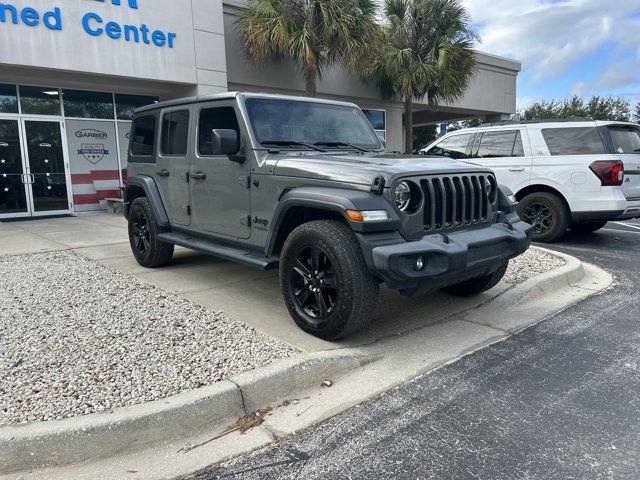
(13,177)
(46,167)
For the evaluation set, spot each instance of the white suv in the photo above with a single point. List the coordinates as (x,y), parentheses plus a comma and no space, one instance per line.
(572,173)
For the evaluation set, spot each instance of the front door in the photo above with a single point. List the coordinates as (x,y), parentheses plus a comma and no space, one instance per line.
(13,177)
(34,177)
(46,167)
(220,195)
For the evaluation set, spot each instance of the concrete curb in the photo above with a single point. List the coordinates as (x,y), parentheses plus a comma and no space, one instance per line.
(92,437)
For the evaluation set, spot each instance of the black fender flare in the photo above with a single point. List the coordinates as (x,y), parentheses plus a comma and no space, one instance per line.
(150,188)
(336,200)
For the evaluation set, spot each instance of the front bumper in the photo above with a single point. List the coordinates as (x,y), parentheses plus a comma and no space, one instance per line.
(448,259)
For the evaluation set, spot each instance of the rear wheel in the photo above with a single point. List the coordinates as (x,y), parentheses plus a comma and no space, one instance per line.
(587,227)
(325,282)
(479,284)
(143,236)
(547,213)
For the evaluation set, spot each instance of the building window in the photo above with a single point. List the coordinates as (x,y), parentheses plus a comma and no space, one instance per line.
(144,134)
(127,104)
(378,120)
(8,99)
(81,104)
(175,133)
(39,100)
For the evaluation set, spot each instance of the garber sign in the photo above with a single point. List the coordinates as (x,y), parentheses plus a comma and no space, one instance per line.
(92,23)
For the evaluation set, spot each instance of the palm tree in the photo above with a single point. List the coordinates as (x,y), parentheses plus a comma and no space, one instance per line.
(426,53)
(313,33)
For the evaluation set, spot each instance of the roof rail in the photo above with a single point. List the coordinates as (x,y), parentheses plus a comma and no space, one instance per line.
(539,120)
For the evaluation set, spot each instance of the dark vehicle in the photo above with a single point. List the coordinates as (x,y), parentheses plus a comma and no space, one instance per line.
(305,186)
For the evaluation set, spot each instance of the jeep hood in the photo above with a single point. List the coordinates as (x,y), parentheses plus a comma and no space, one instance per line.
(362,169)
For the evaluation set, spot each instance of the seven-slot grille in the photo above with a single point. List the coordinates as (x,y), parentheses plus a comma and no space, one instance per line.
(455,201)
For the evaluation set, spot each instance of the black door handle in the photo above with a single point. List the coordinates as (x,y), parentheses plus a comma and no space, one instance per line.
(163,173)
(198,176)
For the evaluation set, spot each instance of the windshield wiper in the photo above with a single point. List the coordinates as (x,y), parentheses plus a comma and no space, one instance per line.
(291,143)
(341,144)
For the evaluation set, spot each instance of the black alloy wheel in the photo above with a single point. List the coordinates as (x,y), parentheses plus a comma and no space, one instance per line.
(540,217)
(140,232)
(314,285)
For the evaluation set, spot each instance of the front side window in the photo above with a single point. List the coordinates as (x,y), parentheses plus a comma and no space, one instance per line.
(318,124)
(573,141)
(175,133)
(625,139)
(500,144)
(452,147)
(143,134)
(219,118)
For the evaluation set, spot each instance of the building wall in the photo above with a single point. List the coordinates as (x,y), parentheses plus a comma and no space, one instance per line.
(191,54)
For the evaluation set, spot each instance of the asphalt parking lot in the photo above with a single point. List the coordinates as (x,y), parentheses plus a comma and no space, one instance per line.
(559,400)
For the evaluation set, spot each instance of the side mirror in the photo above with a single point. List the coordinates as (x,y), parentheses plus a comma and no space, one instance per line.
(225,142)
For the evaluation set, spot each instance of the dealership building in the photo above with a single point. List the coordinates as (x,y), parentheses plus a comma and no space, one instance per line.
(73,72)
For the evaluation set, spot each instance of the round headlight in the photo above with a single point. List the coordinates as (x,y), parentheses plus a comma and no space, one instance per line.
(402,196)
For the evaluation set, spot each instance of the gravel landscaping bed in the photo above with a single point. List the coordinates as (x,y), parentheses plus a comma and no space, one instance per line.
(77,337)
(531,263)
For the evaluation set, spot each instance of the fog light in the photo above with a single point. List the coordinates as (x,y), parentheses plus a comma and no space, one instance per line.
(419,264)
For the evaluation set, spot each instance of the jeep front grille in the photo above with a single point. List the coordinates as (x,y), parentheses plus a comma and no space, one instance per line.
(455,201)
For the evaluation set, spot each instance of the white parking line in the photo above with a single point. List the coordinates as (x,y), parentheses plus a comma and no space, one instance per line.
(616,230)
(627,225)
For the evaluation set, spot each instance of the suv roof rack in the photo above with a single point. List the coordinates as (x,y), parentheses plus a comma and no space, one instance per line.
(539,120)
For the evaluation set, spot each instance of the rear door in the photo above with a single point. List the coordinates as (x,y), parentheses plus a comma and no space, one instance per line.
(626,143)
(172,164)
(507,153)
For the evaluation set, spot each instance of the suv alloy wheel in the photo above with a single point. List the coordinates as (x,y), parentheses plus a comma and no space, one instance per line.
(547,213)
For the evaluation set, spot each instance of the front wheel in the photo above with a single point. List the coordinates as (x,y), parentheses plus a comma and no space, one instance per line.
(325,282)
(547,213)
(479,284)
(587,227)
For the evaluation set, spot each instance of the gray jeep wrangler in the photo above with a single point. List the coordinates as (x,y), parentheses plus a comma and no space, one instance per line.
(305,186)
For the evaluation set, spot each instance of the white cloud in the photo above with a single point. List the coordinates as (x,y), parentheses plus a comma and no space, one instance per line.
(550,36)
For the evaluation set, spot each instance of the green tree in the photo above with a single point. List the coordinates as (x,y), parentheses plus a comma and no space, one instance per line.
(427,52)
(423,136)
(597,108)
(313,33)
(636,113)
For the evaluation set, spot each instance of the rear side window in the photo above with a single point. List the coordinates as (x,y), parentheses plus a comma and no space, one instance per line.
(625,139)
(175,133)
(500,144)
(573,141)
(143,135)
(453,147)
(215,118)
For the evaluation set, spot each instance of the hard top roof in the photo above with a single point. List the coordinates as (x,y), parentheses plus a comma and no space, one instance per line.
(231,96)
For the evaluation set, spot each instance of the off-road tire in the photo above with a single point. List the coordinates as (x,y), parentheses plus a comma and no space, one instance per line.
(158,253)
(357,289)
(477,285)
(558,210)
(587,227)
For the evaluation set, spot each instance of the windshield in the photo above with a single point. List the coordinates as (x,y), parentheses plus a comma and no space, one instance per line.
(625,139)
(298,124)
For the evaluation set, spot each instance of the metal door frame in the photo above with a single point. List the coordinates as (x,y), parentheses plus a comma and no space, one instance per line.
(65,156)
(24,175)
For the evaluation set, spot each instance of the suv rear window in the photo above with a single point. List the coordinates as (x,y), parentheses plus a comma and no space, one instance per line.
(453,147)
(143,135)
(500,144)
(573,141)
(625,139)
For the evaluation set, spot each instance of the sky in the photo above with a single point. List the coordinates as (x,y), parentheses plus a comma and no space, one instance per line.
(582,47)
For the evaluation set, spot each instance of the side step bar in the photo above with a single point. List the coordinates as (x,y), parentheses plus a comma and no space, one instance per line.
(252,259)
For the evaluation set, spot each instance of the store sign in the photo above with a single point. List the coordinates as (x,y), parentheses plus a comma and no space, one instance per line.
(93,24)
